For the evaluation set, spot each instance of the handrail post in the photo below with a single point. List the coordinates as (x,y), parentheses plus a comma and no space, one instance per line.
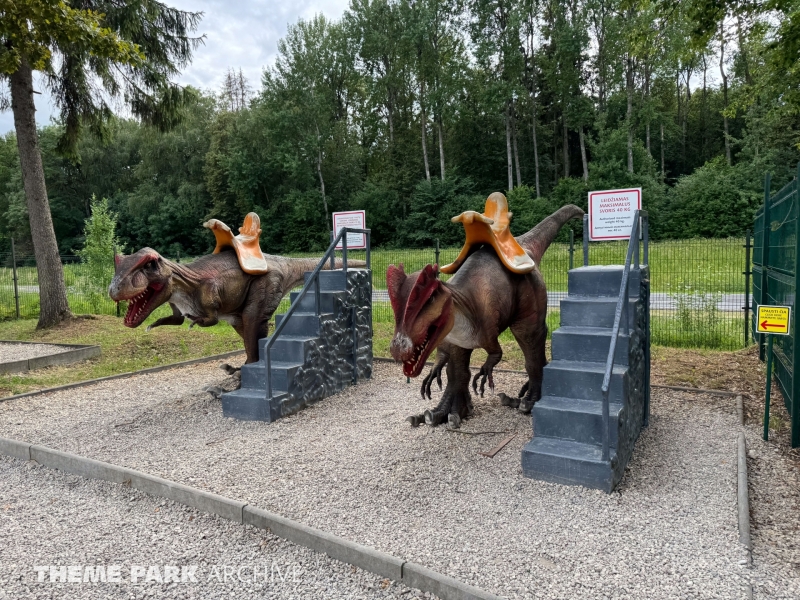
(646,239)
(333,254)
(344,251)
(571,249)
(606,444)
(369,250)
(317,309)
(585,240)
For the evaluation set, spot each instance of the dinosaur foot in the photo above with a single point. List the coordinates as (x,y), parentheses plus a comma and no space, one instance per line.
(434,375)
(230,369)
(485,375)
(453,408)
(524,403)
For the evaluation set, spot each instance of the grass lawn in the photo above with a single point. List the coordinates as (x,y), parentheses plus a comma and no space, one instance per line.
(123,349)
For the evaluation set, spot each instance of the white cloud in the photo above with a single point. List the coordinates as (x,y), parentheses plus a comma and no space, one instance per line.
(240,34)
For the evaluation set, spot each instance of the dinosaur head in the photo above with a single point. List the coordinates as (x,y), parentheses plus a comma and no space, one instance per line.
(144,280)
(423,315)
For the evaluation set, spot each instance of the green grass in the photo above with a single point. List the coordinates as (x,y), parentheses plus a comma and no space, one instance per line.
(123,349)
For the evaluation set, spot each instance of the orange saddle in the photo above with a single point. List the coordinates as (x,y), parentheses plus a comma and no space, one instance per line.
(491,227)
(246,245)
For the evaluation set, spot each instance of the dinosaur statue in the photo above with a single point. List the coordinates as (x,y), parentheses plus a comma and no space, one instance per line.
(494,288)
(237,284)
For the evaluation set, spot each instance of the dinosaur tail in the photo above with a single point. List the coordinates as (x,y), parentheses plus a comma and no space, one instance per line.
(538,239)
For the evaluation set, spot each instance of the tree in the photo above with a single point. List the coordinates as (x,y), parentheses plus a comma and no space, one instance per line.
(127,49)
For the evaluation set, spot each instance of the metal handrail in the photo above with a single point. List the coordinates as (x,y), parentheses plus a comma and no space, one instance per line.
(622,306)
(314,280)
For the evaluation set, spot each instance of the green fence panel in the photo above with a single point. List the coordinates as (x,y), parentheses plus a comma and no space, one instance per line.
(775,271)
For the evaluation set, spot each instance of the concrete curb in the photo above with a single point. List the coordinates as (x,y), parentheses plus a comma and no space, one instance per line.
(77,384)
(72,353)
(364,557)
(743,504)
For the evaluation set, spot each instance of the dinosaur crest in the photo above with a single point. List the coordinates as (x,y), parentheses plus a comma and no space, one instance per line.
(492,228)
(246,244)
(408,294)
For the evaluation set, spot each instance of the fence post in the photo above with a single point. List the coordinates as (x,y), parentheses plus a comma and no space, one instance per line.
(795,403)
(747,273)
(764,259)
(571,247)
(436,261)
(14,266)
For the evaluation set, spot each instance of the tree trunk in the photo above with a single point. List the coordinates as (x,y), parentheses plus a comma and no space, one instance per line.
(508,150)
(441,147)
(321,180)
(53,305)
(743,51)
(565,144)
(663,171)
(724,97)
(535,149)
(424,131)
(629,113)
(516,152)
(583,155)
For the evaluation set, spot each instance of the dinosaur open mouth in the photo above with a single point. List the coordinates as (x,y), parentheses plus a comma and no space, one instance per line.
(139,307)
(413,366)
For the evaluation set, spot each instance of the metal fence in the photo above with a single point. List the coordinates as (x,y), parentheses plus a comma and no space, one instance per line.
(776,252)
(697,287)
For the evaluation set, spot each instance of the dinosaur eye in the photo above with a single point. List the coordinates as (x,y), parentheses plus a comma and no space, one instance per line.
(151,265)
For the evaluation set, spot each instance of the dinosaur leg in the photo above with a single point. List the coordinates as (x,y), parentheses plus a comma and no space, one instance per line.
(495,353)
(176,318)
(442,356)
(456,403)
(531,337)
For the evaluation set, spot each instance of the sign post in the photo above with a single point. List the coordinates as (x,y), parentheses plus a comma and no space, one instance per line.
(611,213)
(772,320)
(351,218)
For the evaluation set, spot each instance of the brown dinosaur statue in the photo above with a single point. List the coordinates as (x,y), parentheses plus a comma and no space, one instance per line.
(480,301)
(214,287)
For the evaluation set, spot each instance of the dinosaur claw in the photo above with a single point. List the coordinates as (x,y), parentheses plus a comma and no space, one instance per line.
(149,328)
(453,421)
(416,420)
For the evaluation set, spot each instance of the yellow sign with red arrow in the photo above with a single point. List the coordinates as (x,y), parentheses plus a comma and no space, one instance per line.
(773,319)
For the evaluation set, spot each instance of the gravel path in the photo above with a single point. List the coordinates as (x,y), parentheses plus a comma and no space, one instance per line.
(9,352)
(52,518)
(352,466)
(774,509)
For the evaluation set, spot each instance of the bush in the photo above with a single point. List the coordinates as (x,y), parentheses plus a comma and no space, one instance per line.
(97,254)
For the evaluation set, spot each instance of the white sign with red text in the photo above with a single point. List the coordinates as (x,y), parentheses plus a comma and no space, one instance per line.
(356,219)
(611,213)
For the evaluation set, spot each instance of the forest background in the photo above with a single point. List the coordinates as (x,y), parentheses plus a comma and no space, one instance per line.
(416,110)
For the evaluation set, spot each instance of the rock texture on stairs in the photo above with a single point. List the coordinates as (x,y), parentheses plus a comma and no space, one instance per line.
(316,355)
(567,421)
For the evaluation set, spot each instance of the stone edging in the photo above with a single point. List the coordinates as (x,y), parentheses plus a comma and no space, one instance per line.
(72,353)
(85,382)
(380,563)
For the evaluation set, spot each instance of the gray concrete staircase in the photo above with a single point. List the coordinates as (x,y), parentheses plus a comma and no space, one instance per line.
(567,421)
(315,355)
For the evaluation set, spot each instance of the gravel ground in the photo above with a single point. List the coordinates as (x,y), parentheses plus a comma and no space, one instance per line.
(774,481)
(9,352)
(352,466)
(52,518)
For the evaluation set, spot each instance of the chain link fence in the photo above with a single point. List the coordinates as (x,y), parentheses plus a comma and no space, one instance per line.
(697,286)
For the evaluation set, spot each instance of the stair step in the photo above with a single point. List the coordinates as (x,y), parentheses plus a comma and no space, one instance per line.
(291,348)
(329,281)
(589,311)
(575,419)
(569,462)
(250,405)
(588,344)
(300,323)
(574,379)
(327,301)
(601,280)
(254,375)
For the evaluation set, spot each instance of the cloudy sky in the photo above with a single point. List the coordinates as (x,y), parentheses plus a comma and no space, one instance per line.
(241,34)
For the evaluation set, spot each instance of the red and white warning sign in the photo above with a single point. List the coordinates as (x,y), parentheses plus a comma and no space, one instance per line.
(611,213)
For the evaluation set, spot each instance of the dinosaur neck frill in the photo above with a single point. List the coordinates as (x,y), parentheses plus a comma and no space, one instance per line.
(538,239)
